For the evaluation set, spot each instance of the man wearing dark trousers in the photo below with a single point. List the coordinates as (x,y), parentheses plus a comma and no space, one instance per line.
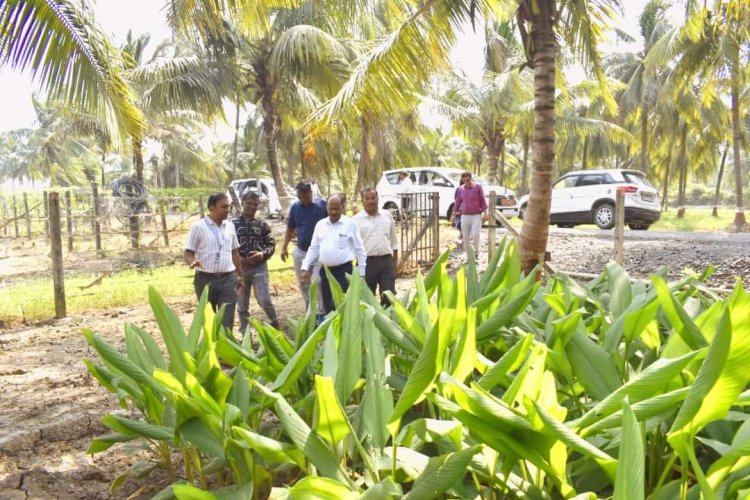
(381,244)
(212,249)
(303,215)
(257,245)
(335,243)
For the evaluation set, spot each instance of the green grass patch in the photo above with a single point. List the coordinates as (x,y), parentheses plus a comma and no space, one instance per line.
(33,300)
(696,219)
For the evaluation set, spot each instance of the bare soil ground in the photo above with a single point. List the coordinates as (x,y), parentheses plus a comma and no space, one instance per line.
(50,407)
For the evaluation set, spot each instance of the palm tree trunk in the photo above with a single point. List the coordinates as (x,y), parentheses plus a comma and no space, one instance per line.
(493,157)
(715,211)
(644,140)
(739,216)
(502,163)
(525,166)
(236,144)
(138,158)
(271,131)
(665,189)
(302,162)
(585,154)
(683,174)
(364,157)
(535,229)
(103,158)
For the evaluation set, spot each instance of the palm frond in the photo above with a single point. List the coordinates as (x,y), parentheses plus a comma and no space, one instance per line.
(70,57)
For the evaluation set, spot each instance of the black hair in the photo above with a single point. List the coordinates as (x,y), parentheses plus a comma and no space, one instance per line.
(250,194)
(215,198)
(369,189)
(304,187)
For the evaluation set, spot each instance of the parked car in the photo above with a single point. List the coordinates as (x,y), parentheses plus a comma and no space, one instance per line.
(266,189)
(588,197)
(442,180)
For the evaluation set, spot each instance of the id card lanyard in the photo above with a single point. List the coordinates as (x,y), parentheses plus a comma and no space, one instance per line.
(216,231)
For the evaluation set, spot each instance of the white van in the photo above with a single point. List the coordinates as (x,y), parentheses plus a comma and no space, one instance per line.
(443,181)
(266,189)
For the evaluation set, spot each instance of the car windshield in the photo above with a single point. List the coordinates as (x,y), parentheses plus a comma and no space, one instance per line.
(457,179)
(636,178)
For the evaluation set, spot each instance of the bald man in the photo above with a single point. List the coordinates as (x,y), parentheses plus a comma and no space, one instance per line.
(335,243)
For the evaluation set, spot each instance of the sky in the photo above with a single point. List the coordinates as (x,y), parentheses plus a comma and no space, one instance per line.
(148,16)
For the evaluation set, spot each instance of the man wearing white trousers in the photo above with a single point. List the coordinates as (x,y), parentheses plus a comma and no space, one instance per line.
(471,205)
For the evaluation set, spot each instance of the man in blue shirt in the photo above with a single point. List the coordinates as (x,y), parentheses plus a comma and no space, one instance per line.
(303,215)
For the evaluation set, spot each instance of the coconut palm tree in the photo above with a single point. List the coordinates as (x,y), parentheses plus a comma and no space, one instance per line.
(71,58)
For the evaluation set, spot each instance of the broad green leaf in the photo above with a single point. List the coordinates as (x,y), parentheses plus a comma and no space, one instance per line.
(385,489)
(198,432)
(711,397)
(472,280)
(301,359)
(135,351)
(592,365)
(154,352)
(117,361)
(196,325)
(643,410)
(313,447)
(508,363)
(521,296)
(678,317)
(620,289)
(425,370)
(322,488)
(190,492)
(103,443)
(201,396)
(275,452)
(562,432)
(441,473)
(332,424)
(651,381)
(138,427)
(239,396)
(631,474)
(528,381)
(410,323)
(432,279)
(392,332)
(465,355)
(377,402)
(350,342)
(172,332)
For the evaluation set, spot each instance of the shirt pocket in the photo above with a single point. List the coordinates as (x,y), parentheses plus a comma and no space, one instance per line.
(342,242)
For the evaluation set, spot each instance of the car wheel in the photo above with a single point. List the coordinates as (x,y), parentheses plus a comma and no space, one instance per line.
(604,216)
(639,227)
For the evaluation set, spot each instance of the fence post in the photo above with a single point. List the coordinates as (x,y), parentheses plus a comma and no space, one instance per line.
(619,226)
(69,221)
(200,208)
(46,214)
(15,214)
(28,215)
(165,230)
(492,226)
(97,227)
(58,280)
(436,226)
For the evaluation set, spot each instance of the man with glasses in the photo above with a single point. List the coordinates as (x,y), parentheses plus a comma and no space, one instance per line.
(212,249)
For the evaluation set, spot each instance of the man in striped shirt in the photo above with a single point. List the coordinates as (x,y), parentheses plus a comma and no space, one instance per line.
(212,249)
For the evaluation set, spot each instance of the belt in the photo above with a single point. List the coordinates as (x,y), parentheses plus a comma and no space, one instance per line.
(340,266)
(215,275)
(384,256)
(475,213)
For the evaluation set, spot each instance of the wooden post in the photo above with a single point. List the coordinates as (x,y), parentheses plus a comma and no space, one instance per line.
(619,226)
(69,221)
(165,229)
(15,214)
(97,227)
(58,281)
(201,210)
(492,226)
(28,215)
(46,214)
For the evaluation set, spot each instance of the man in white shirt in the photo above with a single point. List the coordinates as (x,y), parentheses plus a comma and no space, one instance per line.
(335,243)
(212,249)
(381,244)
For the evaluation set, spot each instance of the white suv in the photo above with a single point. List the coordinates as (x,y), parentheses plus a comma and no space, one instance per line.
(265,188)
(441,180)
(588,196)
